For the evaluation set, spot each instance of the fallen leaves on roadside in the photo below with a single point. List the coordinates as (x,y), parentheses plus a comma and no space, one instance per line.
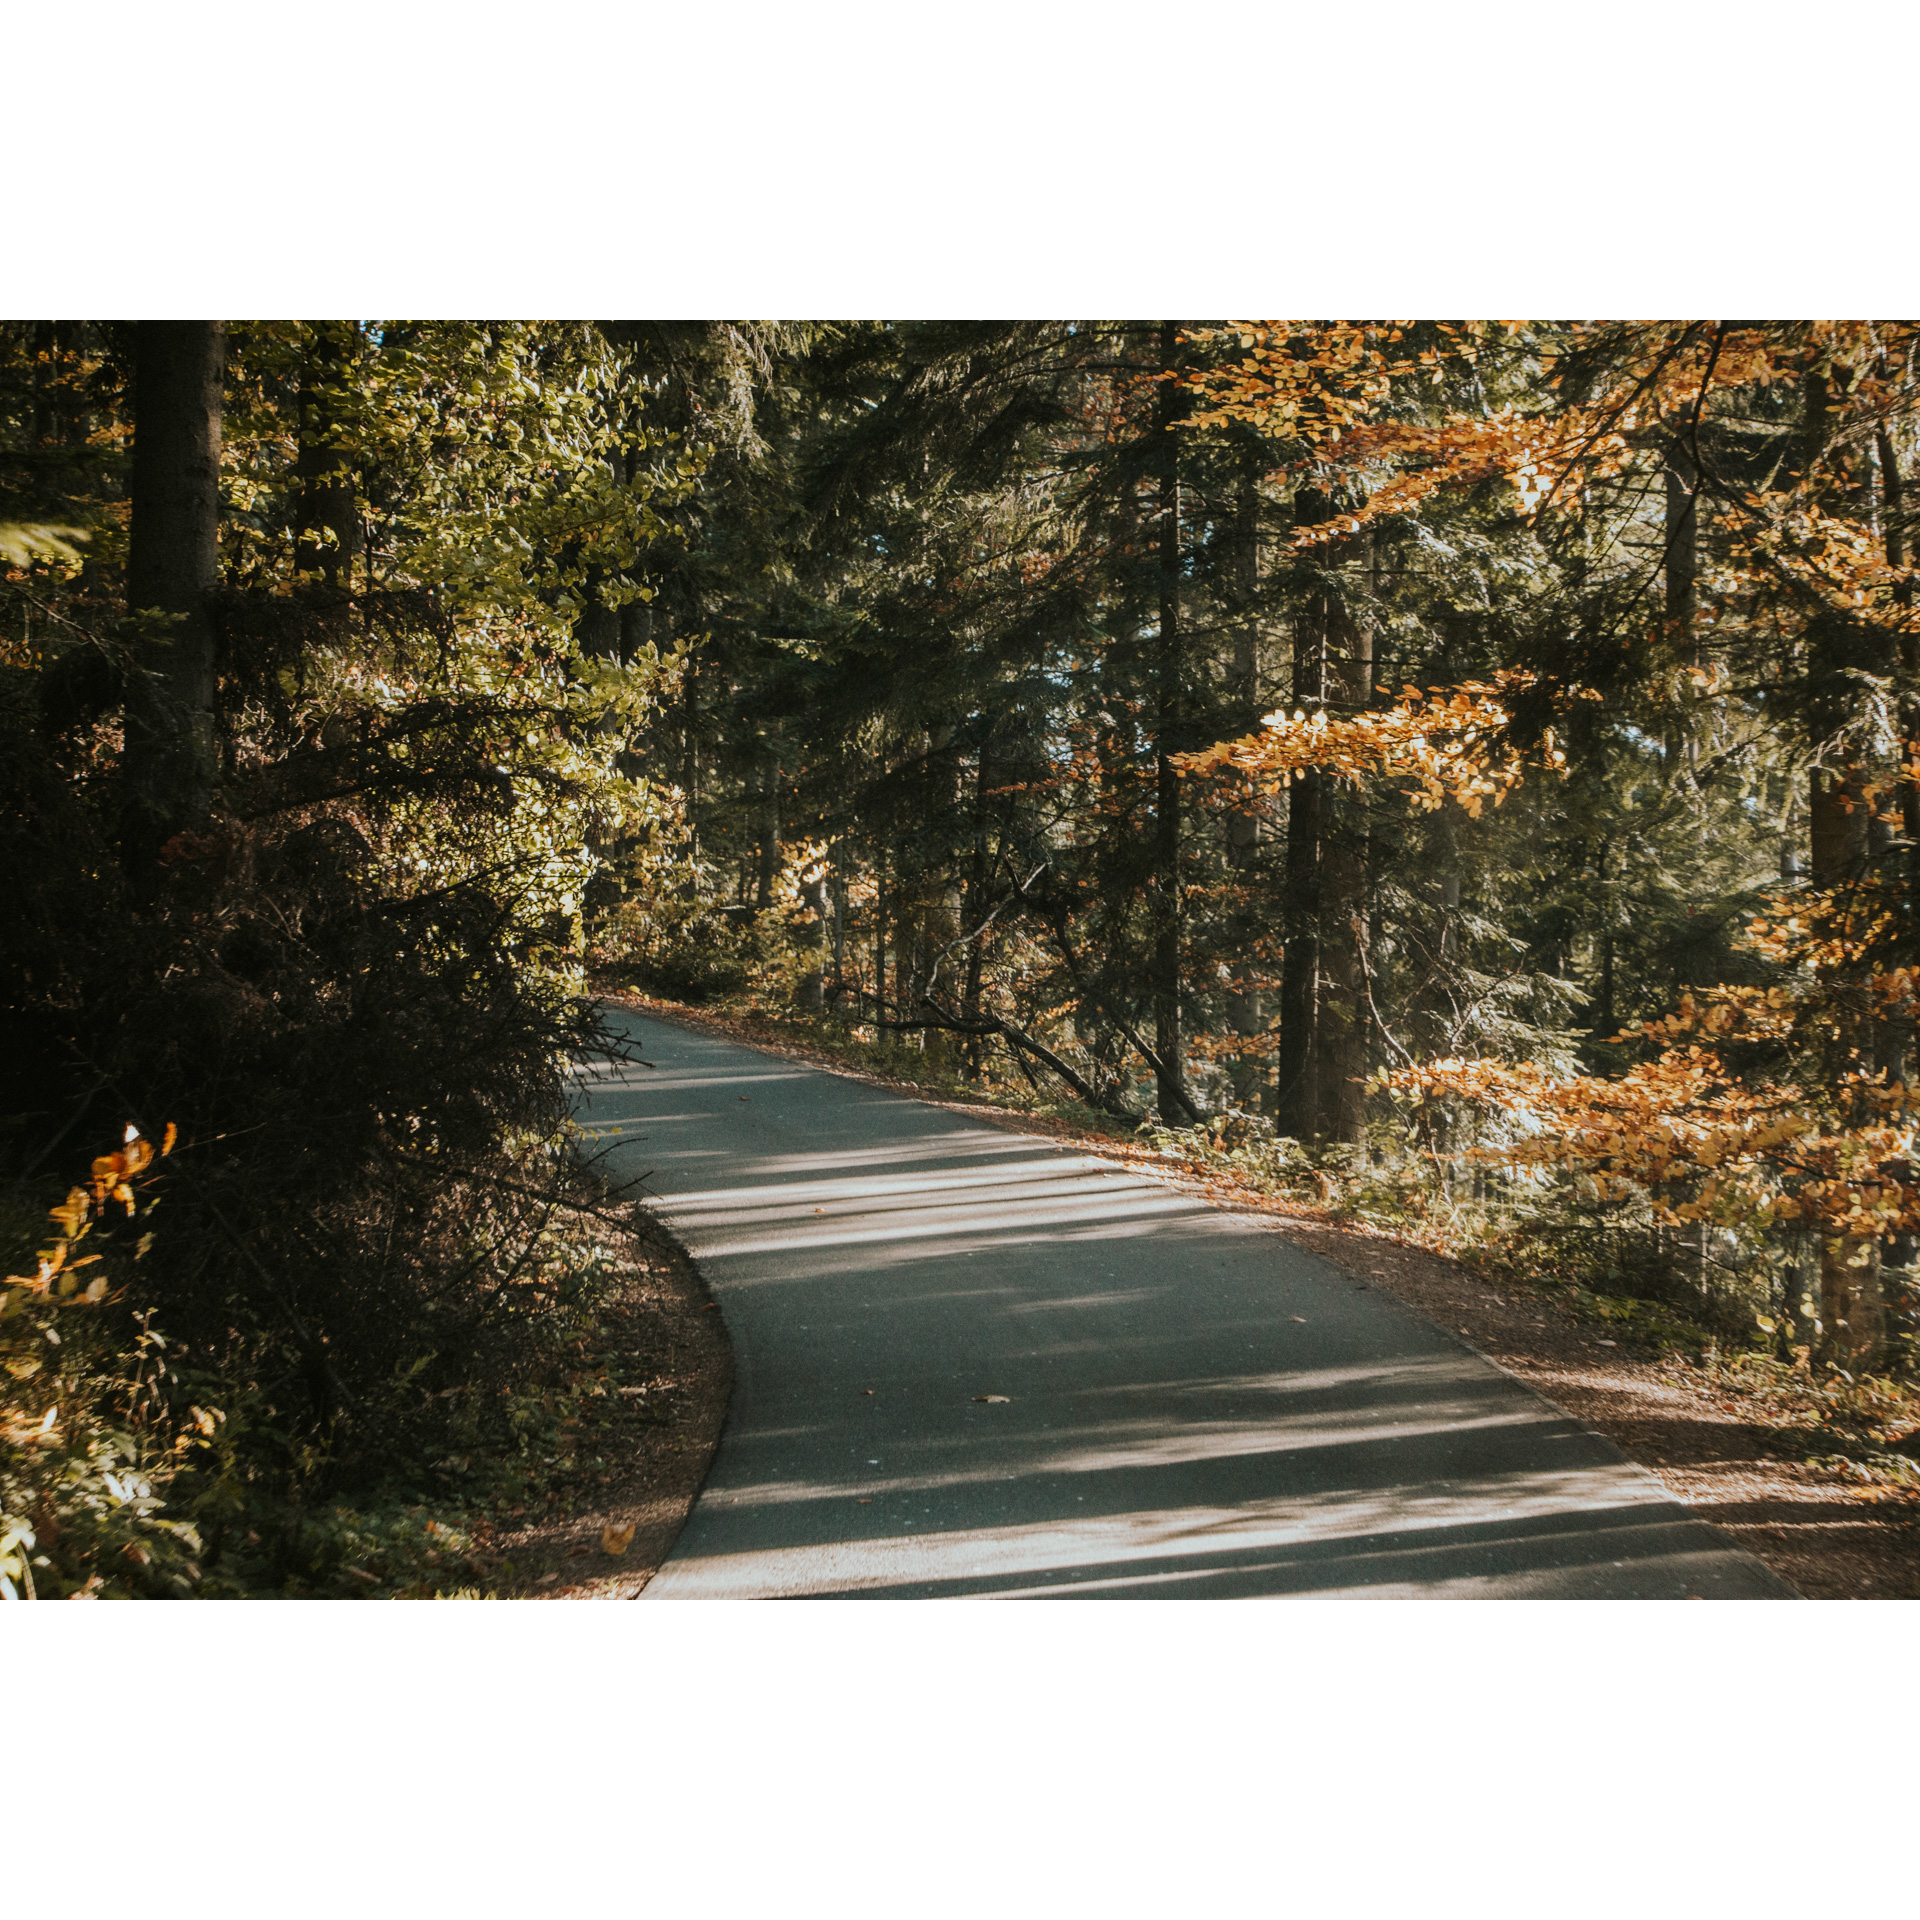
(616,1540)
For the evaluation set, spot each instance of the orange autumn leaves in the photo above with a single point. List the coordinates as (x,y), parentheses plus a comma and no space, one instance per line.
(113,1174)
(1448,742)
(1702,1142)
(1618,395)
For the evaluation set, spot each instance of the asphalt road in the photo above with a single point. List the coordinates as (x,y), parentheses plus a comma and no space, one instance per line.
(971,1362)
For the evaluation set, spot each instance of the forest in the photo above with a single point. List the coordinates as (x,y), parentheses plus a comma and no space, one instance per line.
(1458,778)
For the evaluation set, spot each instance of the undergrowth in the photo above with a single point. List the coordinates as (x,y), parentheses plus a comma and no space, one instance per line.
(133,1468)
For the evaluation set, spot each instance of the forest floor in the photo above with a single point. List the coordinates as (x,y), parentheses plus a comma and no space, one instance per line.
(1830,1527)
(642,1446)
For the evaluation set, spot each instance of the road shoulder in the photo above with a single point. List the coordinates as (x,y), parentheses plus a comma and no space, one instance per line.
(655,1380)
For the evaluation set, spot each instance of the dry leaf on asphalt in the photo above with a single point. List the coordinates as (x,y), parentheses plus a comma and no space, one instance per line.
(993,1399)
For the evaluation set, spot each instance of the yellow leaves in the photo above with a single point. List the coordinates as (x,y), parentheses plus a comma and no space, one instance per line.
(1764,1154)
(113,1175)
(1441,739)
(50,1261)
(112,1171)
(616,1540)
(73,1214)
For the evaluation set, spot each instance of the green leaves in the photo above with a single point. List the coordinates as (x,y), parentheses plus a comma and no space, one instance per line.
(22,544)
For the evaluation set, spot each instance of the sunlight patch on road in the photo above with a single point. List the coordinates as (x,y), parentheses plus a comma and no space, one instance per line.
(1135,1539)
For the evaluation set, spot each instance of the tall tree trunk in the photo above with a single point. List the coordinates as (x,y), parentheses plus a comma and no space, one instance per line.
(1243,999)
(1169,1078)
(1297,1093)
(1323,1024)
(1893,508)
(812,991)
(975,908)
(1341,1029)
(1853,1315)
(1894,1053)
(766,830)
(880,934)
(937,920)
(173,563)
(839,898)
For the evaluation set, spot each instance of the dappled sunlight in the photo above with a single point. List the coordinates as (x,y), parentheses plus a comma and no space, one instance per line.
(1422,1539)
(1120,1450)
(1092,1302)
(939,1147)
(684,1083)
(908,1188)
(1002,1191)
(977,1362)
(942,1222)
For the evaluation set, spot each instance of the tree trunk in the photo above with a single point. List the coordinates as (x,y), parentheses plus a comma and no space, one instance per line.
(326,518)
(812,990)
(1852,1305)
(1321,1034)
(975,909)
(1853,1318)
(1171,1094)
(1895,1050)
(1341,1029)
(839,897)
(1245,1012)
(766,831)
(173,562)
(1297,1095)
(880,934)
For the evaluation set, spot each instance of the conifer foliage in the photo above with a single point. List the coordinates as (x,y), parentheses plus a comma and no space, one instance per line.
(1381,731)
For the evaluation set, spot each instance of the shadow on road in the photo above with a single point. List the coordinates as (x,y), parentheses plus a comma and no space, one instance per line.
(972,1363)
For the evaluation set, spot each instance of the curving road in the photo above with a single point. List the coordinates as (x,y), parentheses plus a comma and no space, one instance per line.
(971,1362)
